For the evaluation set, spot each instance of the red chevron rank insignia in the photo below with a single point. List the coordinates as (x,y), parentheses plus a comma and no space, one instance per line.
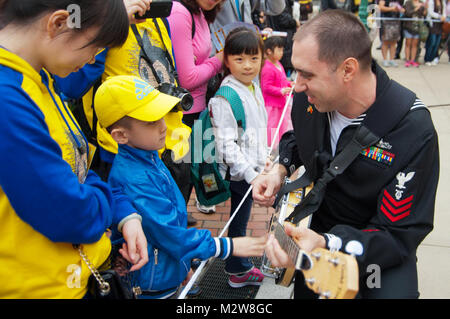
(394,209)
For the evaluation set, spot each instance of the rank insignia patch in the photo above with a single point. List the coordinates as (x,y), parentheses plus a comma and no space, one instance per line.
(310,110)
(378,154)
(394,209)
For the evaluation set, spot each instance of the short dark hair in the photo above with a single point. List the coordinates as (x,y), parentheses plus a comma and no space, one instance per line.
(210,15)
(274,42)
(339,35)
(125,122)
(110,16)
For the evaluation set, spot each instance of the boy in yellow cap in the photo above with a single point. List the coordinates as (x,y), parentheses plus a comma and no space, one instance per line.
(133,113)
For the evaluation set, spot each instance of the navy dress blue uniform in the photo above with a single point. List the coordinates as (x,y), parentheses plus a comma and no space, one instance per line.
(384,199)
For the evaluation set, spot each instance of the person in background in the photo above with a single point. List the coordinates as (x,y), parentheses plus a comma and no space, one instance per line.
(259,19)
(275,88)
(436,10)
(327,4)
(191,40)
(390,9)
(241,10)
(285,22)
(413,9)
(305,9)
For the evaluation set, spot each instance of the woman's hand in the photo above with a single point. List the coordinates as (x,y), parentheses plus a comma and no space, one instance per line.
(136,6)
(135,247)
(220,56)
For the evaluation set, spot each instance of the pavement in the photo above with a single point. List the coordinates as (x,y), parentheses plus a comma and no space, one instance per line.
(432,86)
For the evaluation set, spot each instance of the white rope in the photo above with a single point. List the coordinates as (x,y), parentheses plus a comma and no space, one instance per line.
(203,263)
(403,19)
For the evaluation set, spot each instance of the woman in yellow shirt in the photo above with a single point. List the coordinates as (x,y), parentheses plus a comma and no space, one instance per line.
(49,200)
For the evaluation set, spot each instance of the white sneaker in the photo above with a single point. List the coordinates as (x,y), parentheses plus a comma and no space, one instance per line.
(386,63)
(205,209)
(428,63)
(393,63)
(435,61)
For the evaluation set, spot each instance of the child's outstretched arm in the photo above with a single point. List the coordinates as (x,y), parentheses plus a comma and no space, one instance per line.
(249,246)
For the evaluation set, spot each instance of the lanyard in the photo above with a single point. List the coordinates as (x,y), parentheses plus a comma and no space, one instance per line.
(238,10)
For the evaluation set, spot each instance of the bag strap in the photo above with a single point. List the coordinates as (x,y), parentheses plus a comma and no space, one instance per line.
(233,98)
(192,17)
(367,134)
(362,139)
(104,286)
(94,114)
(139,40)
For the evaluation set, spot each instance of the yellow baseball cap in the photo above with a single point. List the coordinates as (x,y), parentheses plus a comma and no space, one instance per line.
(126,95)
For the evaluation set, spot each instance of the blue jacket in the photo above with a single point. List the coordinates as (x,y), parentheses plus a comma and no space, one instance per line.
(144,178)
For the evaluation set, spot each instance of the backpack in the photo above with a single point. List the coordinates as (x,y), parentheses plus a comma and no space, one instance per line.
(210,187)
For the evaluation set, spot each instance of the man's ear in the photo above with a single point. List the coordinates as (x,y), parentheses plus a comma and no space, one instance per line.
(349,69)
(57,23)
(119,134)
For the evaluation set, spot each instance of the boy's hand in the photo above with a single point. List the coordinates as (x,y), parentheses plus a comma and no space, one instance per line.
(188,277)
(135,247)
(249,246)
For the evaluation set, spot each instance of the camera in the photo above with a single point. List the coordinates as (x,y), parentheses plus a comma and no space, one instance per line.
(187,101)
(158,9)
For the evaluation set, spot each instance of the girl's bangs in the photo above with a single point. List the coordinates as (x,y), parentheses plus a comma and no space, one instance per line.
(246,42)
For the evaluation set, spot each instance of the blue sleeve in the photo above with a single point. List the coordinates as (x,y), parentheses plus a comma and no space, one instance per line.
(77,84)
(122,206)
(160,222)
(39,184)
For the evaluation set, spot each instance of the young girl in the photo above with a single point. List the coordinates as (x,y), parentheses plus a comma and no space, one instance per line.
(243,152)
(413,9)
(275,87)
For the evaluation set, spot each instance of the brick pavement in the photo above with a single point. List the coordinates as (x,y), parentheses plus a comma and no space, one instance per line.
(257,226)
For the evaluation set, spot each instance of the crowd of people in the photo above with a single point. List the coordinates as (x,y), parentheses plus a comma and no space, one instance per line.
(96,129)
(413,22)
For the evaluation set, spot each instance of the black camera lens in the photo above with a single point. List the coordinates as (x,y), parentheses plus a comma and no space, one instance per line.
(187,101)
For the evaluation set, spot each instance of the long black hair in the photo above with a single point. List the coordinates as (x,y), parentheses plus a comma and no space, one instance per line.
(109,15)
(210,15)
